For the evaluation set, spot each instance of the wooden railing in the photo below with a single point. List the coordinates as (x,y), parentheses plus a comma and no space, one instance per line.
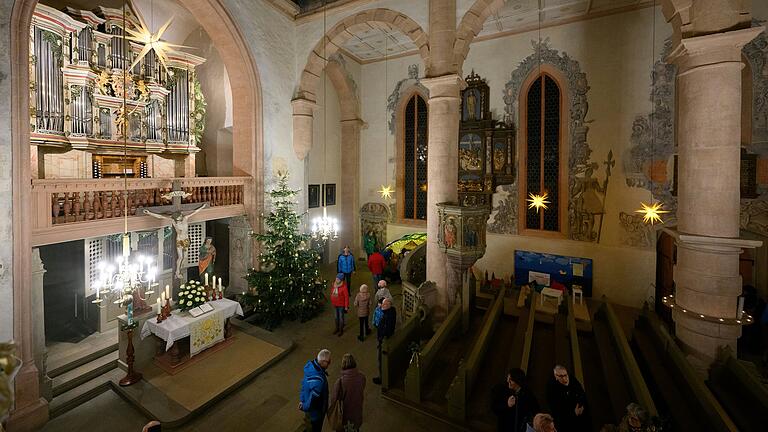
(64,204)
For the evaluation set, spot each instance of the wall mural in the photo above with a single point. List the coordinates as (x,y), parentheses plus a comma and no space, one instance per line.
(586,193)
(652,145)
(397,94)
(754,212)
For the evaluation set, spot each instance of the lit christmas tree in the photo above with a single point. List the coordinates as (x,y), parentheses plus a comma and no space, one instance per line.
(288,285)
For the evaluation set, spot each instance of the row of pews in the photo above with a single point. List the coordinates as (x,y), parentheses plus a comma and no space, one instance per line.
(619,354)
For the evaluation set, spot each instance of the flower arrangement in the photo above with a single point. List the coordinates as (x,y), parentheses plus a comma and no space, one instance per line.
(191,295)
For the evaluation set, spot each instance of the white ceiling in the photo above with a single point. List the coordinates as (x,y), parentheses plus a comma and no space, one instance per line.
(369,44)
(377,41)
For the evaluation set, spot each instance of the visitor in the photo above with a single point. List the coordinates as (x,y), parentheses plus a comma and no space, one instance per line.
(340,302)
(513,402)
(542,423)
(313,399)
(635,420)
(363,306)
(153,426)
(385,328)
(350,388)
(376,264)
(345,263)
(383,292)
(567,399)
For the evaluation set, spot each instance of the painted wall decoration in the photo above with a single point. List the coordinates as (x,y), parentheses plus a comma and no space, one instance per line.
(373,222)
(586,194)
(394,98)
(564,270)
(652,146)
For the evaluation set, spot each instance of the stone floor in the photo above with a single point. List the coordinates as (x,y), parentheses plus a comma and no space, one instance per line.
(269,402)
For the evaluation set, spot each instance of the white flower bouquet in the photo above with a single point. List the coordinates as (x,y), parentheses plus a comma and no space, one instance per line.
(191,295)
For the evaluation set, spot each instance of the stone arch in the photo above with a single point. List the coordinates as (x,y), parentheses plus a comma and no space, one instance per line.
(30,410)
(341,32)
(471,25)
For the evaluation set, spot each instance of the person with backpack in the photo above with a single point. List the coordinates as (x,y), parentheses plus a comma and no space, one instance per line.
(385,320)
(340,301)
(349,391)
(313,399)
(363,305)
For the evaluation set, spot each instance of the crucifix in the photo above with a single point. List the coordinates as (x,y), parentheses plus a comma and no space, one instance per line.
(178,214)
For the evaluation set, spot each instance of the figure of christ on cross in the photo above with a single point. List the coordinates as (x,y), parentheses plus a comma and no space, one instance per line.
(180,222)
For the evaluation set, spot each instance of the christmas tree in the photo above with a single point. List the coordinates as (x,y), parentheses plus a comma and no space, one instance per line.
(288,285)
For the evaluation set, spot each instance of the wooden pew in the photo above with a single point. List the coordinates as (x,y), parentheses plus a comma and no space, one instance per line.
(578,370)
(632,369)
(394,351)
(419,367)
(462,383)
(737,386)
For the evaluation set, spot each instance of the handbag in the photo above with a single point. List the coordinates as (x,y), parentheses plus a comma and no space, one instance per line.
(336,411)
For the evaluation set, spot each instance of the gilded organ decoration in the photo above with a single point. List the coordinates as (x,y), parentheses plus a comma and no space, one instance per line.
(90,90)
(486,147)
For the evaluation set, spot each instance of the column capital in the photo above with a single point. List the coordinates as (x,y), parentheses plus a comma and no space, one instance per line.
(360,123)
(712,49)
(303,107)
(444,86)
(715,244)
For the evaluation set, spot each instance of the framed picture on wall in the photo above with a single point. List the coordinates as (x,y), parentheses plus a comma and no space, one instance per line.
(313,195)
(329,194)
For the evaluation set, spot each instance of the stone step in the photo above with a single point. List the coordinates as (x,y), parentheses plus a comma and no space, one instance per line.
(72,378)
(55,371)
(83,393)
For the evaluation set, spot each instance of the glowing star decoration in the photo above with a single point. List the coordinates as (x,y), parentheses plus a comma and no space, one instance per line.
(538,201)
(652,213)
(152,42)
(386,191)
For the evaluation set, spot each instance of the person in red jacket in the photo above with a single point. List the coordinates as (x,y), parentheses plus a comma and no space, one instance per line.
(340,301)
(376,264)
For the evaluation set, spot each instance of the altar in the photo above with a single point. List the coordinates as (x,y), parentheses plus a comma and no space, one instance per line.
(181,337)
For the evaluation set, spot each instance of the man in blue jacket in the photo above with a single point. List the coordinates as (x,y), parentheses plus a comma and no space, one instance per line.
(314,390)
(346,264)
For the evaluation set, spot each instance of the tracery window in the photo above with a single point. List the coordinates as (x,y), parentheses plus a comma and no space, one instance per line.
(414,159)
(541,171)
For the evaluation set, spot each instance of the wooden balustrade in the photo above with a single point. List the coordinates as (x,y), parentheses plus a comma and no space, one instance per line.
(64,210)
(87,200)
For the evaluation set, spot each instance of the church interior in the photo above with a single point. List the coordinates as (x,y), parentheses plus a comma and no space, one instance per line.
(544,214)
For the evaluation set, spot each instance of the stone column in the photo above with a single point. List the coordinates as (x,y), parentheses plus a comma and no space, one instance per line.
(303,113)
(442,173)
(442,35)
(709,130)
(350,190)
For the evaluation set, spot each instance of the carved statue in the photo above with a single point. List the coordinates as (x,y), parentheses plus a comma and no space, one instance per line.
(180,224)
(207,257)
(471,105)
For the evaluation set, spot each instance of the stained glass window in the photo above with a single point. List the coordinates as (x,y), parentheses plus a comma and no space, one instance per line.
(415,159)
(542,170)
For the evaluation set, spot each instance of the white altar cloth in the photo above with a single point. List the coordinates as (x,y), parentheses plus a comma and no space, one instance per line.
(176,326)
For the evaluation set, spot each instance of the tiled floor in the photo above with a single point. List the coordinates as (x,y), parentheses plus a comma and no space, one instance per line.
(269,402)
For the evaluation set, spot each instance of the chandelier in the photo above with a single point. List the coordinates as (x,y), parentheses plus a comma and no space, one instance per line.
(324,228)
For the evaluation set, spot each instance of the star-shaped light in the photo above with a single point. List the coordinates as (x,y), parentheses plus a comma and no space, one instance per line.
(152,42)
(538,201)
(652,213)
(386,191)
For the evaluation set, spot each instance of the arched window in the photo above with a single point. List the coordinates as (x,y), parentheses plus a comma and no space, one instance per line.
(413,162)
(541,168)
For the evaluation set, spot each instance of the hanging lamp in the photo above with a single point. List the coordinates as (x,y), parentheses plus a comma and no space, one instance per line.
(325,227)
(652,210)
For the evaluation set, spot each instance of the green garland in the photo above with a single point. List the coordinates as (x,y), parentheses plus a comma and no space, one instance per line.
(199,112)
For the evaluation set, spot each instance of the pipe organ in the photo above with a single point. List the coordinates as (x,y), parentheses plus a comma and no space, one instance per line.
(78,83)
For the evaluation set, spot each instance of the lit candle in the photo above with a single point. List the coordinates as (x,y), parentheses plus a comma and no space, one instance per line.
(221,285)
(159,305)
(213,282)
(206,278)
(97,292)
(162,297)
(167,292)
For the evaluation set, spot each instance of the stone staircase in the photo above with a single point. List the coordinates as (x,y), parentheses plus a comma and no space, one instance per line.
(82,379)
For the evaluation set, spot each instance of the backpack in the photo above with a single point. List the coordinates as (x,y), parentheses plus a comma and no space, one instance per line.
(378,314)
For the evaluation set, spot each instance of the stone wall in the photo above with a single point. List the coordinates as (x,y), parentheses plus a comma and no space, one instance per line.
(6,185)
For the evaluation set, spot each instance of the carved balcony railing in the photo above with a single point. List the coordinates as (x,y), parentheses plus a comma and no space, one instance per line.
(58,205)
